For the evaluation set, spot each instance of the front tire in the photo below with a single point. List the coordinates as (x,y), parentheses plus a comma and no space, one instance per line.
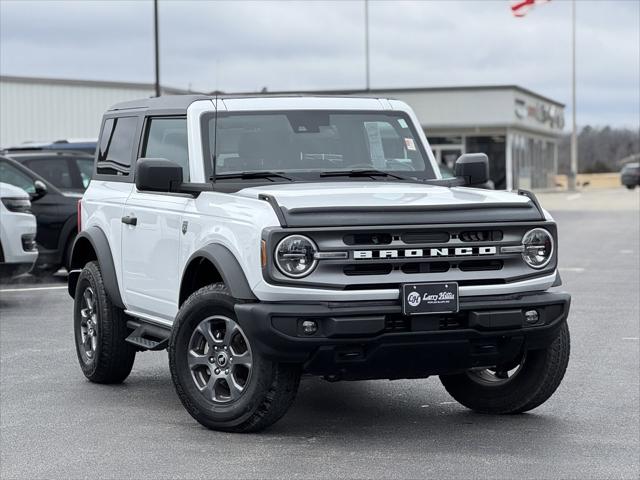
(222,381)
(522,388)
(100,331)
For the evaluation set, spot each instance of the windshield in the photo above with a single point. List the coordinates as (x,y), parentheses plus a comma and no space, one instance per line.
(308,143)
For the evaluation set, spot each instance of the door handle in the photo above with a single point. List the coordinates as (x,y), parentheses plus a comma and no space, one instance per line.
(130,220)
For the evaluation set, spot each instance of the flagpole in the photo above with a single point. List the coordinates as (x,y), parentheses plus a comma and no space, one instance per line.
(574,135)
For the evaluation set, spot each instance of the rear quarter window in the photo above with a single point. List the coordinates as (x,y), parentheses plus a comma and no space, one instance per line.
(117,140)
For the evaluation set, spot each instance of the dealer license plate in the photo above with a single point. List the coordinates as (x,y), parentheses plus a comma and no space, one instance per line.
(426,298)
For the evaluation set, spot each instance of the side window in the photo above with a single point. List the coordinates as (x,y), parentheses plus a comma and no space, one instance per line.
(116,143)
(167,138)
(11,175)
(56,170)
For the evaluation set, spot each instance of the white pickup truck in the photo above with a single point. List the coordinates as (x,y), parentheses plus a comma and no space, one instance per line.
(259,239)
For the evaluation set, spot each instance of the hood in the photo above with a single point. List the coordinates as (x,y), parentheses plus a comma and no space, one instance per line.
(371,203)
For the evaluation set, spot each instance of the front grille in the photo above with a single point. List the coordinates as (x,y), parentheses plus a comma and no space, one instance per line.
(368,239)
(412,238)
(388,257)
(426,267)
(370,269)
(481,235)
(480,265)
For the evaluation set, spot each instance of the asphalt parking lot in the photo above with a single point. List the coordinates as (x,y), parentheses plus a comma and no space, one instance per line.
(55,424)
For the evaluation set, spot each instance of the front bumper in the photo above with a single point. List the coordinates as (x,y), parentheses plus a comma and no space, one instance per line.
(361,340)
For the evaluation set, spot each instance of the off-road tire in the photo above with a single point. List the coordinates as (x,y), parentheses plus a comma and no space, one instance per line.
(539,377)
(269,392)
(113,358)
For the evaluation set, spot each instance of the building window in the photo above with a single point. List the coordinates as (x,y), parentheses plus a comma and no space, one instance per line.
(533,162)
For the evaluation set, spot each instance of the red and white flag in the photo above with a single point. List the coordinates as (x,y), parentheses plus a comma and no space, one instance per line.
(521,7)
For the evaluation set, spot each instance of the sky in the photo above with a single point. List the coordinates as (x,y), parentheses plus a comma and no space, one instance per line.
(243,46)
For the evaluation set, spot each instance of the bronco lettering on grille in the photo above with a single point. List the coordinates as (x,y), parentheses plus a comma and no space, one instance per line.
(423,253)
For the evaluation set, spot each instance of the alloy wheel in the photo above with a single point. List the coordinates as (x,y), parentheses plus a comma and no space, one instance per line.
(89,323)
(219,359)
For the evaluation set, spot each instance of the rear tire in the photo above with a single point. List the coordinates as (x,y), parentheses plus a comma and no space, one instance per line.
(535,380)
(100,331)
(222,381)
(630,187)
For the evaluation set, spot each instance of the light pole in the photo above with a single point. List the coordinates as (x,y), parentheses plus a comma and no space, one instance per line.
(573,173)
(366,42)
(157,52)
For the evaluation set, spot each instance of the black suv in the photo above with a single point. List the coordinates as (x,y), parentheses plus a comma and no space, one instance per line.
(55,182)
(69,171)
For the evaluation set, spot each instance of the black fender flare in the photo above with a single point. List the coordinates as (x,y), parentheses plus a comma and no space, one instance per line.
(100,244)
(229,268)
(69,229)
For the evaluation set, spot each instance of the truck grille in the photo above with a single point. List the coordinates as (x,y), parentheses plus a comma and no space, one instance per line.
(378,257)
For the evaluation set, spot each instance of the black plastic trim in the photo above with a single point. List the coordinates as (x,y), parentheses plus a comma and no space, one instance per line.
(531,196)
(410,215)
(229,268)
(447,350)
(100,244)
(276,208)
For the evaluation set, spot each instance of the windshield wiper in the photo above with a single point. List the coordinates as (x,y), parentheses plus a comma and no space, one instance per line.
(256,174)
(362,172)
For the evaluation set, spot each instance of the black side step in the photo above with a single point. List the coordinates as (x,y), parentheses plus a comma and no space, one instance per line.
(147,336)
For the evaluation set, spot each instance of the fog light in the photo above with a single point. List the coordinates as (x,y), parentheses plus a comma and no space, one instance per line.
(309,327)
(531,316)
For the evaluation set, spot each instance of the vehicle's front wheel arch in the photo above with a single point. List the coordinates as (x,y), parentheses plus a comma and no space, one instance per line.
(211,264)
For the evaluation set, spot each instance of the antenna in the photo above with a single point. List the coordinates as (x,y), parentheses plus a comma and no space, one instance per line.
(215,142)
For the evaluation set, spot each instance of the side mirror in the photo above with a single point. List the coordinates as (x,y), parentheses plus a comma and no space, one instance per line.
(473,167)
(40,190)
(158,175)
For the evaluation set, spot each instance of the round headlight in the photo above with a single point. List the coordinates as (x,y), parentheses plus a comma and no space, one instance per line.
(538,247)
(295,256)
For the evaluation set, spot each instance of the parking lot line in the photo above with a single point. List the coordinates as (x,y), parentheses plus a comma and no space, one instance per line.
(32,289)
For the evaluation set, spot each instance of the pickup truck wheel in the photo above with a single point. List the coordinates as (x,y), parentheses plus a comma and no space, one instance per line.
(514,388)
(221,380)
(100,331)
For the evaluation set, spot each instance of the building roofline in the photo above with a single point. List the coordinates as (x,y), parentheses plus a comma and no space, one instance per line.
(89,83)
(387,91)
(335,92)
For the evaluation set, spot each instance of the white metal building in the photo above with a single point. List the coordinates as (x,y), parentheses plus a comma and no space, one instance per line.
(45,109)
(518,129)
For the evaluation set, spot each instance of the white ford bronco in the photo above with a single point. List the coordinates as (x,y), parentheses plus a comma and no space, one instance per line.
(261,239)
